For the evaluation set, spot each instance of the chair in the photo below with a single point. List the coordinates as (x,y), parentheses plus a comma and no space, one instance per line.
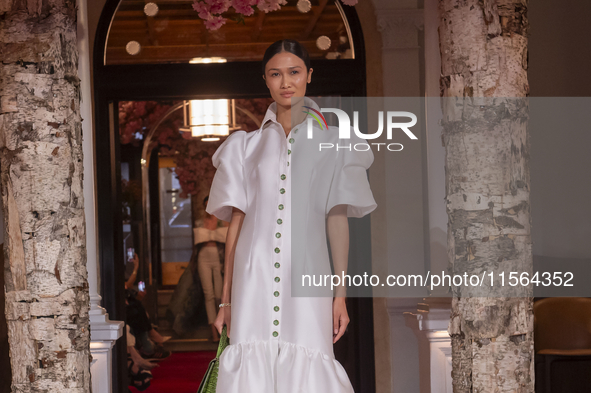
(562,343)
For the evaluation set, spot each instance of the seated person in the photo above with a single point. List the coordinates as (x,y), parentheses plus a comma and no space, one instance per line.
(148,340)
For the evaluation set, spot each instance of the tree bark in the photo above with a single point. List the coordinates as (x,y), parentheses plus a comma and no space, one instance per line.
(484,83)
(46,285)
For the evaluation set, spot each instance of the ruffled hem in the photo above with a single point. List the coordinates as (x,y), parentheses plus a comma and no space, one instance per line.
(267,366)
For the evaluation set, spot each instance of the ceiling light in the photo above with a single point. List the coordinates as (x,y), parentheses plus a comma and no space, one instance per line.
(207,60)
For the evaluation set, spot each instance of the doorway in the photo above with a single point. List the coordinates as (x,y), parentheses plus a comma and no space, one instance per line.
(162,72)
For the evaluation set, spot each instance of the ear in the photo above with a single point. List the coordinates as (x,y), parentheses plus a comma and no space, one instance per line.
(310,75)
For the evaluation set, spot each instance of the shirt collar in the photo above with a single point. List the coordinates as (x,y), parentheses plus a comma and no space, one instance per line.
(271,114)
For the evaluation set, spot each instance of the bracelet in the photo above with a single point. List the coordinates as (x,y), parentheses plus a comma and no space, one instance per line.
(224,304)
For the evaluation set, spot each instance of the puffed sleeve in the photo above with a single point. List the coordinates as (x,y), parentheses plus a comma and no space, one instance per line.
(228,188)
(350,185)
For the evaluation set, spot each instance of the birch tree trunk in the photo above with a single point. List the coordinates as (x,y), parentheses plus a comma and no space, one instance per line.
(46,285)
(484,83)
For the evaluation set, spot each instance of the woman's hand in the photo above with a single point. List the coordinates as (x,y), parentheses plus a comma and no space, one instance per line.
(131,280)
(340,318)
(222,319)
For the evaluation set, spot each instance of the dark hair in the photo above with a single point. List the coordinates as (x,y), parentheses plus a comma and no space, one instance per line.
(291,46)
(205,199)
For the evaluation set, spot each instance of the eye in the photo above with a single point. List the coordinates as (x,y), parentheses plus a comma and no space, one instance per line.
(297,72)
(275,73)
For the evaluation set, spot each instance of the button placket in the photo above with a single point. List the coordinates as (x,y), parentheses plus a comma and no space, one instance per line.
(278,255)
(278,235)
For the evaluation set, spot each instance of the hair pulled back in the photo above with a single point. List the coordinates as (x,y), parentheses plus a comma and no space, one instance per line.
(291,46)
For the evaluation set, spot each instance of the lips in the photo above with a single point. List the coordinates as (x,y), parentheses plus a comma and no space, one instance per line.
(287,94)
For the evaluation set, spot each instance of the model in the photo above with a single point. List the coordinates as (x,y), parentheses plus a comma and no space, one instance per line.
(281,343)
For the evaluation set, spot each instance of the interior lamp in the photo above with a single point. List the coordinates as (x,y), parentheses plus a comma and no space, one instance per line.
(209,120)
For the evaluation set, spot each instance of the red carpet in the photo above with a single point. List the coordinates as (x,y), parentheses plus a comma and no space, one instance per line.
(180,373)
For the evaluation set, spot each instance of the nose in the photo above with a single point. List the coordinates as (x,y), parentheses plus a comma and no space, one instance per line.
(285,83)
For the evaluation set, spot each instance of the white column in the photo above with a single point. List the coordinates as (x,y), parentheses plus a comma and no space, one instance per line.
(430,322)
(399,24)
(400,49)
(404,347)
(103,332)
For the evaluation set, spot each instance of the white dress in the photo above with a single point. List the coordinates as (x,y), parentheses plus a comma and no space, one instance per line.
(280,343)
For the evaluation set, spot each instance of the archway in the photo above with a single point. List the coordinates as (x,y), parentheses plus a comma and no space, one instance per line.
(159,78)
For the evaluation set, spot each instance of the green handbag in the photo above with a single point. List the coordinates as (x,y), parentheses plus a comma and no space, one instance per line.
(210,380)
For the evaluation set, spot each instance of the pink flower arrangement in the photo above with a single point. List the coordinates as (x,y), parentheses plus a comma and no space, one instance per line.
(210,10)
(136,117)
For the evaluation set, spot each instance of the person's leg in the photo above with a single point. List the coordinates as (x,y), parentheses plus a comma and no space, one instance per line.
(156,337)
(146,345)
(138,361)
(206,263)
(130,336)
(206,277)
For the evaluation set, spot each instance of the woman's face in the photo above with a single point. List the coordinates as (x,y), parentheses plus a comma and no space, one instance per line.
(286,76)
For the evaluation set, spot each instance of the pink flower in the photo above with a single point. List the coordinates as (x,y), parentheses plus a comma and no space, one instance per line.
(215,22)
(218,6)
(268,5)
(349,2)
(202,9)
(244,7)
(208,8)
(140,109)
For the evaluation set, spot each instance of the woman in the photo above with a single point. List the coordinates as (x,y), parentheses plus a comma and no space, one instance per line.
(281,343)
(150,342)
(209,263)
(201,282)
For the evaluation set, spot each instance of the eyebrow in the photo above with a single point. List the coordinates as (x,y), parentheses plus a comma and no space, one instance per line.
(287,67)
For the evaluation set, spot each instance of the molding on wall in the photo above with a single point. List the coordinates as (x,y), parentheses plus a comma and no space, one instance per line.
(397,307)
(399,27)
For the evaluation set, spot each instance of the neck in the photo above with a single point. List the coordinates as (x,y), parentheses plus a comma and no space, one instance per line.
(290,115)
